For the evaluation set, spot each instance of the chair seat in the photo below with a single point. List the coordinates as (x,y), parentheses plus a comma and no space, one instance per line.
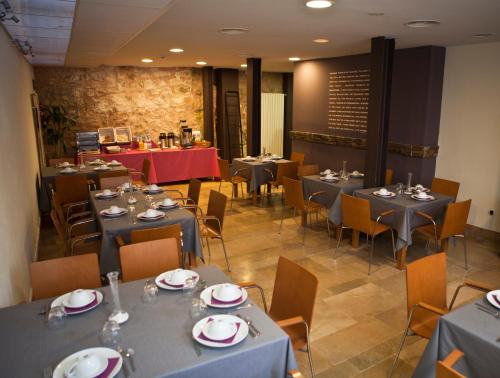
(312,206)
(238,179)
(206,231)
(296,333)
(424,324)
(378,228)
(428,230)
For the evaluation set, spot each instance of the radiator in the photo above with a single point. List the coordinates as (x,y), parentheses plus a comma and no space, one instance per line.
(272,116)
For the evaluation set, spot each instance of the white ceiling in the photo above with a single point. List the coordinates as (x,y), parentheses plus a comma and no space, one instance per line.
(121,32)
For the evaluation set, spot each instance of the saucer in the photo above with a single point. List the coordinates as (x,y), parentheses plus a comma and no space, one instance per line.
(207,296)
(241,333)
(426,199)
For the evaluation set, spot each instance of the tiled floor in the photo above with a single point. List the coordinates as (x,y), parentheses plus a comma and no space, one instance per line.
(358,319)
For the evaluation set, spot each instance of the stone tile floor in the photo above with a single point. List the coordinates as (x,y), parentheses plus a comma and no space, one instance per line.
(358,319)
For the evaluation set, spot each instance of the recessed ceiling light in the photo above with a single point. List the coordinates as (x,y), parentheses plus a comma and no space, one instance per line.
(376,14)
(243,65)
(147,60)
(319,4)
(233,31)
(422,23)
(176,50)
(201,63)
(483,35)
(294,59)
(321,40)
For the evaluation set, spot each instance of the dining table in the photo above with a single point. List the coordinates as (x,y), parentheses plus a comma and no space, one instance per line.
(405,219)
(160,334)
(109,258)
(473,332)
(258,172)
(49,175)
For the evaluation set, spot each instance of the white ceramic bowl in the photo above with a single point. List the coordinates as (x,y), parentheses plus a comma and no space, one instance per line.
(153,187)
(327,171)
(383,191)
(227,292)
(107,192)
(150,213)
(168,202)
(422,195)
(114,209)
(219,329)
(80,298)
(86,366)
(177,277)
(355,173)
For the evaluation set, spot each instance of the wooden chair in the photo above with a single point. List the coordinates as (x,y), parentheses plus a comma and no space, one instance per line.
(292,303)
(113,182)
(455,222)
(308,170)
(143,174)
(212,222)
(193,194)
(56,162)
(388,177)
(148,259)
(235,179)
(149,234)
(72,189)
(444,369)
(294,198)
(356,214)
(62,275)
(426,296)
(285,169)
(297,157)
(294,373)
(446,187)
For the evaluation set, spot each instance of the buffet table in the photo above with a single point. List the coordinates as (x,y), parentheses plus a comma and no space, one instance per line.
(170,164)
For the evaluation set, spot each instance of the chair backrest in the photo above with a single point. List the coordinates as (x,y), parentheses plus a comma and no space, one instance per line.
(294,196)
(166,232)
(356,213)
(216,207)
(146,167)
(225,172)
(447,187)
(194,189)
(455,219)
(294,292)
(388,176)
(308,170)
(56,162)
(62,275)
(58,224)
(426,282)
(148,259)
(297,157)
(286,169)
(112,182)
(72,188)
(444,369)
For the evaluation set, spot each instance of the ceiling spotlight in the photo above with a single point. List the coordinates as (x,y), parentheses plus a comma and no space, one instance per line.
(233,31)
(319,4)
(147,60)
(176,50)
(294,59)
(422,23)
(244,65)
(483,35)
(321,40)
(376,14)
(201,63)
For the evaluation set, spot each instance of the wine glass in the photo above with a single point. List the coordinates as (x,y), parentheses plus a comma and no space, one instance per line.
(150,294)
(110,334)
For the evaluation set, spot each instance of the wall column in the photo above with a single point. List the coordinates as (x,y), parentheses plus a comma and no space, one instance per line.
(208,103)
(253,105)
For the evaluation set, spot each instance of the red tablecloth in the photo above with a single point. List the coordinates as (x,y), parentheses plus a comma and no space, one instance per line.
(169,165)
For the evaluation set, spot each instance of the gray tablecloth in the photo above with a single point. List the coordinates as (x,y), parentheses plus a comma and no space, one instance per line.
(159,333)
(331,198)
(258,175)
(49,176)
(111,227)
(470,330)
(404,221)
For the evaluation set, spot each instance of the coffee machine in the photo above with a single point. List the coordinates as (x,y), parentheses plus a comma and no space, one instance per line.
(186,135)
(163,140)
(171,140)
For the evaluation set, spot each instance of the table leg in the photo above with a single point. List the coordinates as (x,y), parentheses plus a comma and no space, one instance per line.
(444,245)
(268,188)
(337,232)
(254,198)
(355,239)
(401,257)
(303,218)
(235,190)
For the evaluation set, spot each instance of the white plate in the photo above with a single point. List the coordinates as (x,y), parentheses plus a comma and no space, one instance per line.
(389,194)
(332,173)
(65,166)
(160,215)
(65,299)
(359,175)
(334,179)
(96,162)
(190,273)
(59,301)
(490,298)
(148,191)
(425,190)
(68,171)
(114,164)
(102,168)
(107,214)
(251,159)
(428,198)
(240,335)
(59,371)
(103,196)
(276,158)
(206,295)
(176,204)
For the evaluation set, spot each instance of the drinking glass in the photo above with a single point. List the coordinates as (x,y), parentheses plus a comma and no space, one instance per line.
(188,288)
(399,188)
(56,318)
(118,314)
(111,335)
(131,215)
(344,175)
(150,294)
(198,309)
(408,182)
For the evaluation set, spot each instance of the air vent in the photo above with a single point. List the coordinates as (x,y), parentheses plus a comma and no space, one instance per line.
(422,23)
(233,31)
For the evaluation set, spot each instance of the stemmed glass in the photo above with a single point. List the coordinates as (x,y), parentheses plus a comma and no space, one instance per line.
(118,314)
(111,335)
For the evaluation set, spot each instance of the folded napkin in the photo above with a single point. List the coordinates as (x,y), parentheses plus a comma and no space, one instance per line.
(163,281)
(112,362)
(72,310)
(214,300)
(496,299)
(229,340)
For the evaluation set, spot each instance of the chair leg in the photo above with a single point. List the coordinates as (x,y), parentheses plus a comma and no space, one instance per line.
(465,253)
(328,225)
(282,216)
(225,254)
(220,184)
(209,251)
(309,355)
(338,241)
(401,344)
(371,255)
(393,245)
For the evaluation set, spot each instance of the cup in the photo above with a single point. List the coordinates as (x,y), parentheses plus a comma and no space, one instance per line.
(114,209)
(131,214)
(153,187)
(64,164)
(150,213)
(419,187)
(150,294)
(188,288)
(56,318)
(228,292)
(177,277)
(80,298)
(355,173)
(87,365)
(110,334)
(422,195)
(107,192)
(328,171)
(383,192)
(167,202)
(219,329)
(329,176)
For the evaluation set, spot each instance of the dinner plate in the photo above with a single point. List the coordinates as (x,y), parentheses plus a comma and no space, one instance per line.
(494,298)
(241,333)
(426,199)
(96,162)
(102,168)
(142,217)
(103,196)
(245,159)
(335,179)
(174,206)
(159,280)
(356,176)
(425,190)
(276,158)
(206,295)
(65,165)
(332,173)
(107,354)
(114,164)
(147,191)
(59,301)
(107,214)
(389,194)
(68,171)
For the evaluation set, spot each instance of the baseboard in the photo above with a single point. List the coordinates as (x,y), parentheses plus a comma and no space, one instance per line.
(482,233)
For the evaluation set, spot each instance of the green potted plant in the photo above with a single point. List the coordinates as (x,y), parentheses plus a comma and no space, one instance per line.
(56,123)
